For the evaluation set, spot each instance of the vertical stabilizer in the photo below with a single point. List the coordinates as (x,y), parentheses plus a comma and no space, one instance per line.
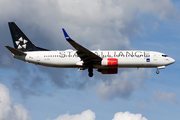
(20,40)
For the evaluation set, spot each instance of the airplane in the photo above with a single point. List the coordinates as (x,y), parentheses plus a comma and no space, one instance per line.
(106,62)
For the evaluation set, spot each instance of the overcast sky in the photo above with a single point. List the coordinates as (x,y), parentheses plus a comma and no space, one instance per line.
(31,92)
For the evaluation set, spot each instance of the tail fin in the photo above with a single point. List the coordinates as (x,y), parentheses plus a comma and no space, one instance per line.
(21,41)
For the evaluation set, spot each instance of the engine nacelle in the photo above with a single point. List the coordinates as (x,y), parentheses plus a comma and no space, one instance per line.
(108,71)
(109,62)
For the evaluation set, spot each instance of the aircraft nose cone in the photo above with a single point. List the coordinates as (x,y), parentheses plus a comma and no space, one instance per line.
(172,60)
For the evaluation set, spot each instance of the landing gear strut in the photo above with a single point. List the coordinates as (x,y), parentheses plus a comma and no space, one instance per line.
(90,70)
(160,67)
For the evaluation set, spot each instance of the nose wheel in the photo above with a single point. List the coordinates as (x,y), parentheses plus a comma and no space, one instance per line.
(157,72)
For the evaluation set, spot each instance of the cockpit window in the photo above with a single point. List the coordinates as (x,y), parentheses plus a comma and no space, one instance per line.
(164,55)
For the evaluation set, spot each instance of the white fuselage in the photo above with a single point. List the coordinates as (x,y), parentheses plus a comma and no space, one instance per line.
(70,59)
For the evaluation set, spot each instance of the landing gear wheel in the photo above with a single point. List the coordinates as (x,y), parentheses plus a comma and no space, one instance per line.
(90,70)
(90,74)
(157,72)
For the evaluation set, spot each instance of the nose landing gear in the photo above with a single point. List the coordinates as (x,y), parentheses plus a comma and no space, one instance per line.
(160,67)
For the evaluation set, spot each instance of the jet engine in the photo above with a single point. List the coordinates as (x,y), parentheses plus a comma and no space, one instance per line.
(108,71)
(109,62)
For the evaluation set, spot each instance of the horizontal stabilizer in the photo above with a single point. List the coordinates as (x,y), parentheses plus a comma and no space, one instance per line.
(15,51)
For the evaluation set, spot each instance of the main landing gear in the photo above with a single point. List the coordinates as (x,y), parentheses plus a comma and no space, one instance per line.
(90,70)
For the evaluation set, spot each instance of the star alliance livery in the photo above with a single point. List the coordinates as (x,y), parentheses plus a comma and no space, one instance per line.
(106,62)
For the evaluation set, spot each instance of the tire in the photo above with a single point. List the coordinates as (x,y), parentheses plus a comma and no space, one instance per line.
(90,74)
(157,72)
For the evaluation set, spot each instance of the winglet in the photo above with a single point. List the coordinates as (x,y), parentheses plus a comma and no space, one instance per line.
(66,35)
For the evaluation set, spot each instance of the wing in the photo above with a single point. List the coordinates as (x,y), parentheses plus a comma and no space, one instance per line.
(86,56)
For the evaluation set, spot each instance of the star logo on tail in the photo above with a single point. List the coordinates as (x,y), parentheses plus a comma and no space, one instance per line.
(21,43)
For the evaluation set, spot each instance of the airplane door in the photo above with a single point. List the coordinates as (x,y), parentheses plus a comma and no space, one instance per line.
(38,58)
(155,57)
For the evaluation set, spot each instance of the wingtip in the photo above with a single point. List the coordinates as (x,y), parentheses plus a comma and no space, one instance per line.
(66,35)
(11,23)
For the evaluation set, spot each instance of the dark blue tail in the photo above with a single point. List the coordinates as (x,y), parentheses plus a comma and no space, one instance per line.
(21,41)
